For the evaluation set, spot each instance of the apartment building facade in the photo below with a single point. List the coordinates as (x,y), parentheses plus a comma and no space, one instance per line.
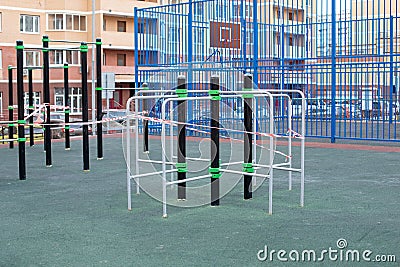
(68,20)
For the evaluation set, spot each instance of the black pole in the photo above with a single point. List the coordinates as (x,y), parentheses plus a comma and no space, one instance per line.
(46,96)
(21,121)
(85,106)
(10,107)
(31,110)
(215,166)
(99,91)
(67,109)
(248,136)
(181,91)
(146,111)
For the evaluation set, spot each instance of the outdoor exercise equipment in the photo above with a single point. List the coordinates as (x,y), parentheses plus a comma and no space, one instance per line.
(180,96)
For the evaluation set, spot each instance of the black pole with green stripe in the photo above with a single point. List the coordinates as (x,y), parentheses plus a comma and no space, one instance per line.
(67,109)
(85,107)
(248,136)
(31,110)
(215,165)
(46,96)
(99,100)
(10,107)
(181,165)
(21,121)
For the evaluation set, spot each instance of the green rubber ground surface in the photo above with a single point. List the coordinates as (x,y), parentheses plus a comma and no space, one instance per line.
(61,216)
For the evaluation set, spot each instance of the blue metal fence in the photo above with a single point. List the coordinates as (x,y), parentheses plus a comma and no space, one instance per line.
(342,54)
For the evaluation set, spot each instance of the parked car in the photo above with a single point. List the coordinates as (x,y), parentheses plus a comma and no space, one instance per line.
(119,115)
(76,128)
(57,121)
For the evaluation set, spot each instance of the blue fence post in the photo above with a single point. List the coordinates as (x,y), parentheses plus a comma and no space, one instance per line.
(333,89)
(391,72)
(136,39)
(190,58)
(255,43)
(282,63)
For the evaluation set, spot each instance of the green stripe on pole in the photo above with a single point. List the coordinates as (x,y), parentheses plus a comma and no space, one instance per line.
(67,127)
(248,95)
(181,93)
(10,67)
(248,167)
(19,47)
(67,111)
(182,167)
(99,43)
(84,48)
(21,121)
(99,88)
(46,39)
(10,107)
(31,107)
(215,172)
(21,140)
(11,125)
(66,67)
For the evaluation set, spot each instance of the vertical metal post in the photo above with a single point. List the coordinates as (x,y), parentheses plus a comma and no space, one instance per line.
(99,100)
(391,71)
(181,165)
(21,121)
(146,112)
(255,40)
(190,58)
(10,107)
(46,96)
(333,89)
(248,137)
(136,44)
(67,109)
(215,166)
(94,88)
(30,103)
(85,106)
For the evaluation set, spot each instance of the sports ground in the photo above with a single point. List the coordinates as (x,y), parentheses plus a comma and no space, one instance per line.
(61,216)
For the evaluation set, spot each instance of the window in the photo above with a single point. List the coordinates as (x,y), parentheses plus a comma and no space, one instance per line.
(59,57)
(36,101)
(121,60)
(1,59)
(31,58)
(104,24)
(290,15)
(29,24)
(75,98)
(66,22)
(121,26)
(1,20)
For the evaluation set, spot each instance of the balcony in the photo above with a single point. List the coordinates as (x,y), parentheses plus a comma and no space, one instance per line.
(290,27)
(290,51)
(117,39)
(148,42)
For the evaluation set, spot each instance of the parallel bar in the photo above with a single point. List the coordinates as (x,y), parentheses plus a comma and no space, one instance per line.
(189,179)
(150,174)
(99,100)
(46,96)
(243,173)
(85,107)
(10,107)
(20,97)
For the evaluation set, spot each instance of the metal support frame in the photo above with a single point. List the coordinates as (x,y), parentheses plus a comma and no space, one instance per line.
(164,172)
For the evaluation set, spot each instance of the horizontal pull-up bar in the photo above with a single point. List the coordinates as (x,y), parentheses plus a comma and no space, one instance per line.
(72,42)
(41,67)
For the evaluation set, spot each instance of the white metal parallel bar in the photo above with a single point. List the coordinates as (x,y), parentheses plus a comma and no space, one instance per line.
(195,159)
(156,161)
(150,174)
(287,169)
(245,173)
(189,179)
(231,163)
